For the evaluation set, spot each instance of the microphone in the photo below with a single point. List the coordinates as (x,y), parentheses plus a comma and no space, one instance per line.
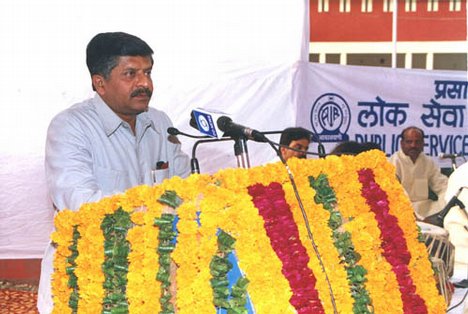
(214,123)
(452,202)
(204,120)
(230,128)
(447,156)
(175,131)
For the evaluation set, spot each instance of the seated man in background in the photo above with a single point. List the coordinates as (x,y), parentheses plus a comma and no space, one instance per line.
(418,173)
(296,138)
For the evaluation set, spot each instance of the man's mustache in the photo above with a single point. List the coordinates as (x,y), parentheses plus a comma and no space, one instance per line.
(141,91)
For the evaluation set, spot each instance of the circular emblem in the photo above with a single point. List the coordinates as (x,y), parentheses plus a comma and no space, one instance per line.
(203,123)
(330,118)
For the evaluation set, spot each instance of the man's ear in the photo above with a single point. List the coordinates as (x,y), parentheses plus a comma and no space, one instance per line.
(98,83)
(282,150)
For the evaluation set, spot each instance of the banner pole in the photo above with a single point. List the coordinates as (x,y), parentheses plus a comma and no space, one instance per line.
(394,33)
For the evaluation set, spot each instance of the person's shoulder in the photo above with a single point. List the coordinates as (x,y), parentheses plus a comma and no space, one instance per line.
(395,156)
(76,110)
(74,116)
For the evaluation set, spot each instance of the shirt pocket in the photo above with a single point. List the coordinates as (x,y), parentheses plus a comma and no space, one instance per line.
(111,181)
(158,175)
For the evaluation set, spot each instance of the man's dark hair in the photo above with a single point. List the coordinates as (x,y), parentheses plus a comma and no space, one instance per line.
(370,146)
(104,50)
(347,148)
(293,134)
(402,135)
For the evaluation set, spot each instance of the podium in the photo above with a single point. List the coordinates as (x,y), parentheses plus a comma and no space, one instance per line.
(170,247)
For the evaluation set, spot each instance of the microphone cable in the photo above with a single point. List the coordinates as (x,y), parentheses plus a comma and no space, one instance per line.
(306,221)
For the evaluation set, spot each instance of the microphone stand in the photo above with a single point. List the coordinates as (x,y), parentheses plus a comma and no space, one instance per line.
(194,166)
(438,218)
(241,152)
(454,163)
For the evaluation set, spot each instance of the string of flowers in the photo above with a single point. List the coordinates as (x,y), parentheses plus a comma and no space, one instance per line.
(115,268)
(165,247)
(233,301)
(342,174)
(167,236)
(90,259)
(143,205)
(197,235)
(393,242)
(356,273)
(72,279)
(420,267)
(284,236)
(322,234)
(61,285)
(143,264)
(269,290)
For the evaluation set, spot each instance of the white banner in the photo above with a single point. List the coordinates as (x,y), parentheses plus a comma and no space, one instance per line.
(371,104)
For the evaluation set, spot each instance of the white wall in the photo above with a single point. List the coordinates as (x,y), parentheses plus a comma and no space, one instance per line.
(43,50)
(208,53)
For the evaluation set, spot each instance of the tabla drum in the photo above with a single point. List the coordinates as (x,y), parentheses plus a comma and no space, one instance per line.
(438,244)
(442,254)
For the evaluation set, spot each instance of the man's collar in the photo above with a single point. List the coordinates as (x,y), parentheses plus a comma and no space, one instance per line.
(111,121)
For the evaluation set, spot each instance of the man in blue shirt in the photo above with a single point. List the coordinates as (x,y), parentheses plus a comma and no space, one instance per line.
(112,142)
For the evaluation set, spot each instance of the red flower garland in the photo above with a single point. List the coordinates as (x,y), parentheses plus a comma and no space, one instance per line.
(393,242)
(284,237)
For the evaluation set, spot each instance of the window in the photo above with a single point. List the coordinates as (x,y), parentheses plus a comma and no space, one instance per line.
(345,5)
(455,5)
(410,5)
(323,5)
(388,5)
(432,5)
(366,6)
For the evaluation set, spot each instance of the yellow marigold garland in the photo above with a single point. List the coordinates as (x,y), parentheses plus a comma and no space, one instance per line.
(343,177)
(62,237)
(268,288)
(143,265)
(318,220)
(90,259)
(420,266)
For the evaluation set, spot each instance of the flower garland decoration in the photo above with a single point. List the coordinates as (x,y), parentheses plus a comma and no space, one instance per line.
(115,267)
(72,279)
(420,267)
(394,244)
(143,257)
(356,273)
(342,174)
(90,259)
(253,246)
(258,208)
(62,285)
(233,301)
(284,238)
(165,247)
(333,282)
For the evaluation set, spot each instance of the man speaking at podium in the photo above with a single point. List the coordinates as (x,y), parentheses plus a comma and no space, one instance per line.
(112,142)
